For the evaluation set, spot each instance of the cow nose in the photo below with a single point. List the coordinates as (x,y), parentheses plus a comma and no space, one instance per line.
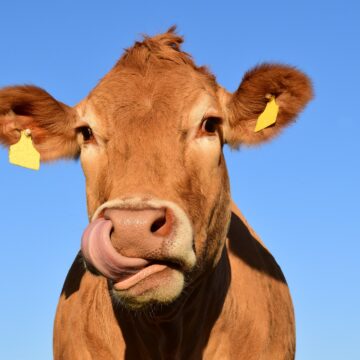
(139,231)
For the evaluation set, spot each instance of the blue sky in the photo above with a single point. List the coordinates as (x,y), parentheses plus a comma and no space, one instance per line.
(300,192)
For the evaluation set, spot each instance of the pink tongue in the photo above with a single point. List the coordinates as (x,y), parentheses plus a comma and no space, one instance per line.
(99,252)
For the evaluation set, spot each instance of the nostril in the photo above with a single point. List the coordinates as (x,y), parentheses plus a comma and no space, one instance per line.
(163,224)
(158,224)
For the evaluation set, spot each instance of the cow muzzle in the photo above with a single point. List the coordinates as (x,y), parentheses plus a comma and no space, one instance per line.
(141,246)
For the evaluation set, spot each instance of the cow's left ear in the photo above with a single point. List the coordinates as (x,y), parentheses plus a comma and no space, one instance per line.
(52,123)
(291,89)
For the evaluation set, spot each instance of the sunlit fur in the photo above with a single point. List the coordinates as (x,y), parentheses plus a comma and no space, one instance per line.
(146,115)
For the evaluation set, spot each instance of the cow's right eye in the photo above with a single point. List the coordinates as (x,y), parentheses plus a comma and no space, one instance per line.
(86,133)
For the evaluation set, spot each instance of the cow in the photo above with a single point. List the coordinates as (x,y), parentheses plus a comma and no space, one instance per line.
(168,268)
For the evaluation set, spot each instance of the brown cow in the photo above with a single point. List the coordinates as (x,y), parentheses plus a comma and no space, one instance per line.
(169,268)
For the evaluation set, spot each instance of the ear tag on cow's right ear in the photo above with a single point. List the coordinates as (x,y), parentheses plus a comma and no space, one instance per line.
(23,153)
(268,116)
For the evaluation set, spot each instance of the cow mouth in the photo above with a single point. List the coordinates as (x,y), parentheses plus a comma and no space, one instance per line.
(122,271)
(130,278)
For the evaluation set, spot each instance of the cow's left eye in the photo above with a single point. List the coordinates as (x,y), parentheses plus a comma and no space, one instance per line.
(86,133)
(210,125)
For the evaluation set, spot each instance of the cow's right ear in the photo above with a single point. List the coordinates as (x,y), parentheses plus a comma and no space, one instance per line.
(290,88)
(51,122)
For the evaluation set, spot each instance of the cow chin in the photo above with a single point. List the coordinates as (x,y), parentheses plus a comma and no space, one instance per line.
(160,288)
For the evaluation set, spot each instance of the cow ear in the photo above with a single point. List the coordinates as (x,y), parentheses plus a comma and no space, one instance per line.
(291,89)
(52,123)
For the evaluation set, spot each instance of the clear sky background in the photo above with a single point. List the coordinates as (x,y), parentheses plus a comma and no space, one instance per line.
(299,192)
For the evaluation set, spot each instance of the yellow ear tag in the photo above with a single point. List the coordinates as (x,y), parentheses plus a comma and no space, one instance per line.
(268,116)
(23,152)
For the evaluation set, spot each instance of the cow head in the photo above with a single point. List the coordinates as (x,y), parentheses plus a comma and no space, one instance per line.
(150,137)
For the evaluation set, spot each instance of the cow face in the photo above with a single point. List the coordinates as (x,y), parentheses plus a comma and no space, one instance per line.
(150,139)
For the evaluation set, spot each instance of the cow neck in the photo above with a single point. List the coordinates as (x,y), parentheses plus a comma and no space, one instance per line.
(184,326)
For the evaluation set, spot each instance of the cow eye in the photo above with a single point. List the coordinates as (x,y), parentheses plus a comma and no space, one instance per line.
(86,133)
(210,125)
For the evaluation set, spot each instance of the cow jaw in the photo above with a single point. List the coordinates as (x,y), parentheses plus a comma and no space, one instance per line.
(144,270)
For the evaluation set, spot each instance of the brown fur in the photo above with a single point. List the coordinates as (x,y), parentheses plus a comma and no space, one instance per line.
(147,115)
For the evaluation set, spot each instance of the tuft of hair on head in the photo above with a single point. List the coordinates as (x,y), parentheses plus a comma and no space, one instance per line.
(168,39)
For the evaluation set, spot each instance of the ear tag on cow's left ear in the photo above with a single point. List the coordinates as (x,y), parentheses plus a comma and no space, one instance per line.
(268,116)
(23,153)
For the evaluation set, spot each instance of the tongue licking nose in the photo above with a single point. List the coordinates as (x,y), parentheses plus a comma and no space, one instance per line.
(119,243)
(98,251)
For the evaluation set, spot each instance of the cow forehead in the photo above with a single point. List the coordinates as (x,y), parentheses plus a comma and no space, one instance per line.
(152,85)
(130,102)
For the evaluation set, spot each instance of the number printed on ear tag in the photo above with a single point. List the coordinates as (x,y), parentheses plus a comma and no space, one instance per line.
(23,153)
(268,116)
